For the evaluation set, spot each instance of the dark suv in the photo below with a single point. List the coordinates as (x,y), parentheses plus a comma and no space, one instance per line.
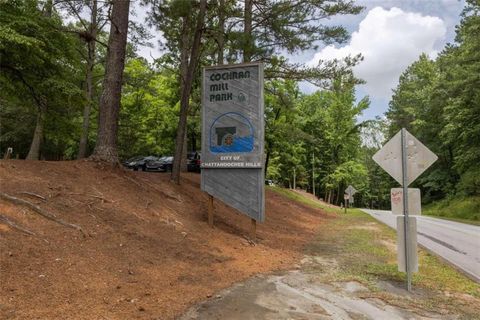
(193,161)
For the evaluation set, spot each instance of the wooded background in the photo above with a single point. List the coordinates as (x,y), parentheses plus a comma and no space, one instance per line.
(73,86)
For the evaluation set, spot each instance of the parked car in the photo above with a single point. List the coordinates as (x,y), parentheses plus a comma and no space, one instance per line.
(139,162)
(269,182)
(162,164)
(193,161)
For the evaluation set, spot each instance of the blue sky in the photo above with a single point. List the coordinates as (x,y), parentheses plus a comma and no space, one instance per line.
(390,34)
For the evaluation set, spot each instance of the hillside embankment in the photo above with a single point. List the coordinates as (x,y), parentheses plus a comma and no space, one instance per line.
(116,244)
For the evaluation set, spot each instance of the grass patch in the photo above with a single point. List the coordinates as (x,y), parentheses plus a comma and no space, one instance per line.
(375,259)
(434,274)
(365,251)
(465,210)
(299,198)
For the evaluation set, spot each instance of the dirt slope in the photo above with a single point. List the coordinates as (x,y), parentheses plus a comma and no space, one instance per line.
(146,251)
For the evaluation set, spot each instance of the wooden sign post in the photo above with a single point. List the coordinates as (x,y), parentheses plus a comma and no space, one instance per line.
(253,229)
(210,211)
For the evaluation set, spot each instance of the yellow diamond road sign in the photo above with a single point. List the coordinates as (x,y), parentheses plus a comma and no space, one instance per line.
(419,157)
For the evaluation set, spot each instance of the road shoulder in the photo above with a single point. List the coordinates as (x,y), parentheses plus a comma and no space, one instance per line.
(349,272)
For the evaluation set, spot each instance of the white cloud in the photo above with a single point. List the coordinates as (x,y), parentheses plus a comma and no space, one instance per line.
(389,41)
(139,14)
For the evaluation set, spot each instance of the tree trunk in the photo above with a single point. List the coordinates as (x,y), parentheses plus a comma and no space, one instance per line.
(193,139)
(221,31)
(270,143)
(247,31)
(185,48)
(106,147)
(339,198)
(82,149)
(48,9)
(267,160)
(34,152)
(185,96)
(183,163)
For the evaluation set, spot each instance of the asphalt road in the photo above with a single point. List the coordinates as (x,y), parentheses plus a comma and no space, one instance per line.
(458,243)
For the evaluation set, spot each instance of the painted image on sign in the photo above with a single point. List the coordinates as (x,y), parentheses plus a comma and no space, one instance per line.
(231,132)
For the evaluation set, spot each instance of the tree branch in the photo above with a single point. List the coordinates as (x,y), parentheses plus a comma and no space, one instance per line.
(39,210)
(13,224)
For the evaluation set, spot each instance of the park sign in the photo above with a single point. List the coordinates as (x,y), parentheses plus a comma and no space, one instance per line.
(233,117)
(233,136)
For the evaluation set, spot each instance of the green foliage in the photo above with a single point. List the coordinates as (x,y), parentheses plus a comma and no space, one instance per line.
(296,24)
(149,110)
(39,69)
(469,183)
(284,148)
(316,137)
(464,208)
(460,69)
(438,101)
(377,195)
(302,199)
(331,117)
(350,172)
(43,67)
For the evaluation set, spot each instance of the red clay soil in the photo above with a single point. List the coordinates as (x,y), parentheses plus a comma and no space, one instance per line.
(146,251)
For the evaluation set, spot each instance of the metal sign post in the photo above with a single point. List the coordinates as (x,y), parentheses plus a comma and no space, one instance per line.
(405,209)
(405,158)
